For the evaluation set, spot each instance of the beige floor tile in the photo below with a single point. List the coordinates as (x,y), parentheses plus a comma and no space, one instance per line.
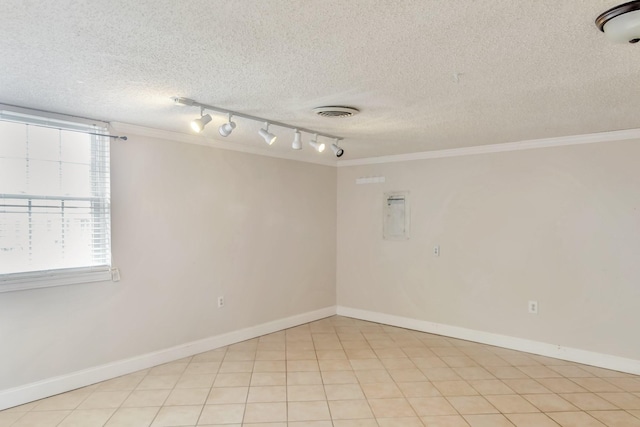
(474,373)
(313,424)
(41,419)
(531,420)
(222,414)
(270,355)
(305,393)
(350,409)
(440,374)
(398,363)
(425,406)
(472,405)
(550,403)
(622,400)
(104,399)
(222,395)
(444,421)
(588,401)
(158,382)
(302,366)
(202,368)
(265,412)
(389,408)
(267,394)
(418,389)
(526,386)
(70,400)
(87,418)
(187,396)
(331,355)
(177,416)
(127,382)
(490,387)
(575,419)
(7,418)
(539,372)
(626,384)
(400,422)
(308,354)
(491,420)
(390,353)
(232,380)
(373,376)
(168,369)
(343,392)
(133,417)
(616,418)
(334,365)
(268,378)
(561,385)
(230,367)
(269,366)
(142,398)
(365,364)
(240,355)
(195,381)
(308,411)
(381,391)
(338,377)
(455,388)
(596,385)
(511,404)
(304,378)
(407,375)
(210,356)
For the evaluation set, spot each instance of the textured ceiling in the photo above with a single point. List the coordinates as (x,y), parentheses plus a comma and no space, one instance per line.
(527,69)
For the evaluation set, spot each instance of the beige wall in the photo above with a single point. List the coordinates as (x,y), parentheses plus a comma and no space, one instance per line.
(189,223)
(557,225)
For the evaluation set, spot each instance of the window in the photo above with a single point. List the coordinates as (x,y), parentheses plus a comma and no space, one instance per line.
(54,202)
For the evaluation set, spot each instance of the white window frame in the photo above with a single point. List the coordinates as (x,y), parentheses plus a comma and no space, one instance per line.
(67,276)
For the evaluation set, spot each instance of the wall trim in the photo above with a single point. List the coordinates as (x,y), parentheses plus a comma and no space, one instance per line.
(213,142)
(612,136)
(52,386)
(600,360)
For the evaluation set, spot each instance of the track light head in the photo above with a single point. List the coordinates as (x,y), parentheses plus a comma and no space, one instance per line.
(297,141)
(319,147)
(198,124)
(337,150)
(268,137)
(226,129)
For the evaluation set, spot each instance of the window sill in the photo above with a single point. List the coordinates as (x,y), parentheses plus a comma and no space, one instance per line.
(50,278)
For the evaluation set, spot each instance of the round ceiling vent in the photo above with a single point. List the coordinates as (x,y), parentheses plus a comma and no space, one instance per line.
(335,111)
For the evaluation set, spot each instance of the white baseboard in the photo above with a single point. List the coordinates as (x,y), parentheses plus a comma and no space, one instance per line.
(52,386)
(600,360)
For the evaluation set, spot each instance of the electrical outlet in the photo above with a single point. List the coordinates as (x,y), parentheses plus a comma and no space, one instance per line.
(436,250)
(533,307)
(220,302)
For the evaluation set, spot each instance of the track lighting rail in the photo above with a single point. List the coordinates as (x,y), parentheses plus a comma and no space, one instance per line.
(191,103)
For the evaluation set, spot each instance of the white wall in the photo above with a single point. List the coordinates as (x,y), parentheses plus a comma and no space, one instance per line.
(189,223)
(556,225)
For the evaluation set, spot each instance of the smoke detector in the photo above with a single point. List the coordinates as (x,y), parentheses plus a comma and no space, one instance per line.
(336,111)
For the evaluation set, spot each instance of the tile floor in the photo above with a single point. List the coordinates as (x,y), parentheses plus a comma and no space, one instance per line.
(342,372)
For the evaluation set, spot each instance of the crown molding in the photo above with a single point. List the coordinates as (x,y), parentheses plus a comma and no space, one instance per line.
(591,138)
(207,141)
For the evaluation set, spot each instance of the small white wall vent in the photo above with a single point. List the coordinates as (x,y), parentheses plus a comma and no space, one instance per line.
(336,111)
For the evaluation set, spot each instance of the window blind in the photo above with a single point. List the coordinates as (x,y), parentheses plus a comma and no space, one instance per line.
(54,199)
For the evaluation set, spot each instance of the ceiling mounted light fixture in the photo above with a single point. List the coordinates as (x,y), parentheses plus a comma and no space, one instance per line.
(319,147)
(198,124)
(337,150)
(268,137)
(226,129)
(621,24)
(297,140)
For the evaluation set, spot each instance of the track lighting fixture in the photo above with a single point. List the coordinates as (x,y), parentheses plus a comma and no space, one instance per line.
(227,128)
(337,150)
(297,140)
(319,147)
(268,137)
(198,124)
